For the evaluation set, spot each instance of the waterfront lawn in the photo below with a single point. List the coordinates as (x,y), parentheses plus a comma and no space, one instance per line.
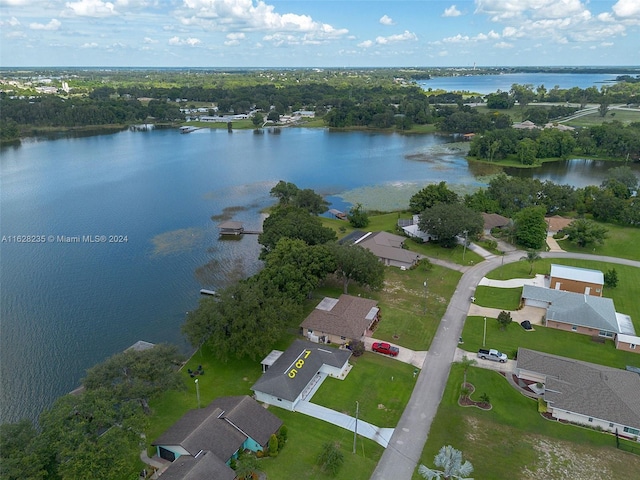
(306,435)
(621,242)
(624,296)
(493,297)
(410,314)
(513,441)
(543,339)
(380,384)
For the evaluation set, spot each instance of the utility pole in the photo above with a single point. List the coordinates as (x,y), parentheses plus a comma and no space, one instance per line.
(198,392)
(355,430)
(484,332)
(464,250)
(425,298)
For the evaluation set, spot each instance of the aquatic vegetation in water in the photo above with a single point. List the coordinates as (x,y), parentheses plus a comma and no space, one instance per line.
(176,241)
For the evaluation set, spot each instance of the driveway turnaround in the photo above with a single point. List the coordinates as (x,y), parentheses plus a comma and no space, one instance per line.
(377,434)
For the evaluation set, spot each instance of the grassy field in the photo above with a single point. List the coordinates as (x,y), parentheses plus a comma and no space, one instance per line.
(621,242)
(513,441)
(543,339)
(381,385)
(624,116)
(493,297)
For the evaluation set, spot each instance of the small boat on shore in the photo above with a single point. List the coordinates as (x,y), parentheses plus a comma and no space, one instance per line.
(188,129)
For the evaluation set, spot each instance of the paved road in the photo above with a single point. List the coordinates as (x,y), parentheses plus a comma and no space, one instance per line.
(401,457)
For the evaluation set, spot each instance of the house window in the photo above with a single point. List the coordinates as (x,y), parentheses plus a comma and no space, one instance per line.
(590,419)
(611,425)
(632,346)
(604,333)
(343,338)
(632,431)
(574,328)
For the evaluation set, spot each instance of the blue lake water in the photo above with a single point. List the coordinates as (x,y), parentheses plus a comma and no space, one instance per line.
(67,305)
(491,83)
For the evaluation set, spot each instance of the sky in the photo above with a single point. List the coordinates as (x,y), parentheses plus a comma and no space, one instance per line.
(318,33)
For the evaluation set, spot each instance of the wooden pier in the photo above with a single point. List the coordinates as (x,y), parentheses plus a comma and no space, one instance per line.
(338,214)
(235,228)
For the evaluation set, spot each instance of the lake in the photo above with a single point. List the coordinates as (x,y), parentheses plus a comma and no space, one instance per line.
(68,303)
(491,83)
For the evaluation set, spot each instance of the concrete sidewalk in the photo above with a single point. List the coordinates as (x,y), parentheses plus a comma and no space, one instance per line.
(365,429)
(538,280)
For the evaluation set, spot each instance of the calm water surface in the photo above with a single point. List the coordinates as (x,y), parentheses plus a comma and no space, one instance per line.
(67,305)
(491,83)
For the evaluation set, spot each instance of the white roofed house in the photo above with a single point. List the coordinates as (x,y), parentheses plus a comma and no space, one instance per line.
(575,279)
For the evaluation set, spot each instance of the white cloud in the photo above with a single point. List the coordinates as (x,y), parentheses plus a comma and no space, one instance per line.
(366,44)
(192,42)
(503,45)
(387,20)
(12,22)
(92,8)
(627,8)
(402,37)
(149,40)
(248,15)
(54,24)
(457,39)
(452,11)
(234,39)
(606,44)
(89,45)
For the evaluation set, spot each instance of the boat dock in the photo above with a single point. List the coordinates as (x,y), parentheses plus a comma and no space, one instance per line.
(204,291)
(235,228)
(338,214)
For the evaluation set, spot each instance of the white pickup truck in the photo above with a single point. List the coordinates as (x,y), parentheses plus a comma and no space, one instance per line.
(492,354)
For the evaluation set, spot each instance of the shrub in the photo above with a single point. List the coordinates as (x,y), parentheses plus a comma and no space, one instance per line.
(282,437)
(331,458)
(273,445)
(504,319)
(357,348)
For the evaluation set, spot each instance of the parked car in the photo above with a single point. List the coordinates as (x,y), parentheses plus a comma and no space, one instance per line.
(386,348)
(492,354)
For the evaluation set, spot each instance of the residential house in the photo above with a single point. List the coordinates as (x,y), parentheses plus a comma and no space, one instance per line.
(389,248)
(575,279)
(493,220)
(206,439)
(340,320)
(629,343)
(412,229)
(557,223)
(298,372)
(585,393)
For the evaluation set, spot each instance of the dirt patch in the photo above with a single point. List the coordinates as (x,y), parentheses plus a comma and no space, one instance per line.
(557,459)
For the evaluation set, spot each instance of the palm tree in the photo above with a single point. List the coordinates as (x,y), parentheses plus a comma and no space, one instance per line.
(450,460)
(531,257)
(466,362)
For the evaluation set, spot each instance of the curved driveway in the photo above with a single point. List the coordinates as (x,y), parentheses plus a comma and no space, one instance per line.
(402,455)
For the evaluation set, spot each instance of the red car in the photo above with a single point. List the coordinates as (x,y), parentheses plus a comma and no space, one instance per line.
(387,349)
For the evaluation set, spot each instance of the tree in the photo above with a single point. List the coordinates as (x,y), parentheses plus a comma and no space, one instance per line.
(331,458)
(466,362)
(293,222)
(358,217)
(603,108)
(284,192)
(228,324)
(295,268)
(531,227)
(19,455)
(310,201)
(447,221)
(257,119)
(273,445)
(585,232)
(246,467)
(504,319)
(432,195)
(137,376)
(273,116)
(527,151)
(611,278)
(532,257)
(622,175)
(450,460)
(354,263)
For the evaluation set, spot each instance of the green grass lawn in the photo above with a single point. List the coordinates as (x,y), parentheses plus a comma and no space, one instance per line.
(381,385)
(621,242)
(543,339)
(306,435)
(625,295)
(493,297)
(513,441)
(624,116)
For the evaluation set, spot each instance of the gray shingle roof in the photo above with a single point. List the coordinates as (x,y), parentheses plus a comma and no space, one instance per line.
(249,416)
(278,383)
(346,316)
(213,428)
(585,388)
(575,308)
(386,245)
(205,467)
